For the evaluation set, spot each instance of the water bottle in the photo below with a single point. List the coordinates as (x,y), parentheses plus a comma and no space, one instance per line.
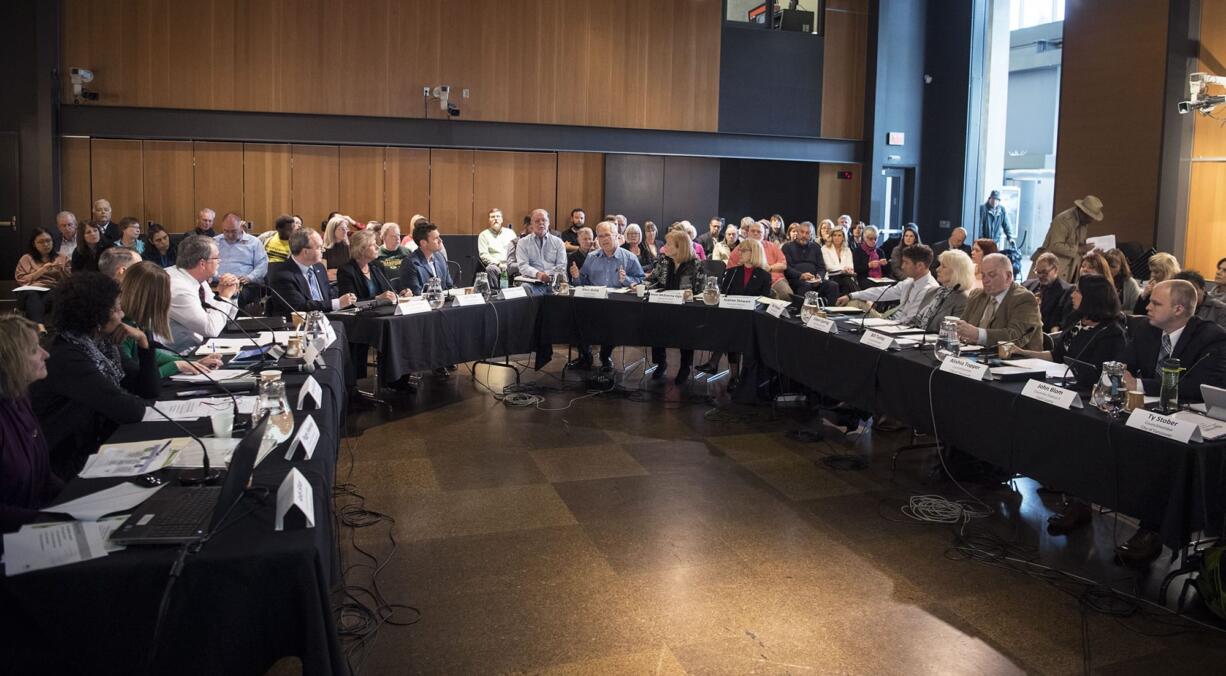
(1168,396)
(1114,393)
(710,294)
(504,282)
(948,344)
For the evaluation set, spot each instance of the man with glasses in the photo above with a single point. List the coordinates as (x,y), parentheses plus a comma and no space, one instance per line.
(242,255)
(302,280)
(194,313)
(1055,295)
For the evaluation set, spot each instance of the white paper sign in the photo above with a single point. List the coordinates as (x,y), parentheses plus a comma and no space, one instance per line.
(775,310)
(1102,242)
(412,307)
(307,437)
(514,292)
(47,545)
(1209,428)
(665,298)
(823,324)
(738,302)
(329,335)
(1164,426)
(295,493)
(1050,394)
(965,368)
(591,292)
(877,340)
(469,299)
(310,388)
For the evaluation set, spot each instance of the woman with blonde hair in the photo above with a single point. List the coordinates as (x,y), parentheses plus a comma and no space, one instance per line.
(956,275)
(748,278)
(840,263)
(676,270)
(1162,266)
(823,231)
(144,295)
(336,243)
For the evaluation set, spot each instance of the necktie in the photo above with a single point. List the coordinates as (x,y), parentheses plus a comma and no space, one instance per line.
(313,283)
(988,313)
(898,309)
(203,298)
(1164,352)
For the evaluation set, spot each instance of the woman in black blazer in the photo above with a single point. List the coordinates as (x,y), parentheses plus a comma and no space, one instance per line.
(363,275)
(90,389)
(750,278)
(90,243)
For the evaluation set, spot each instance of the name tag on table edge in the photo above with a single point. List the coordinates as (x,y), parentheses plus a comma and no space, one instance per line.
(738,302)
(877,340)
(601,292)
(514,292)
(1050,394)
(1171,428)
(466,299)
(310,391)
(775,310)
(822,324)
(412,307)
(666,298)
(307,437)
(295,500)
(965,368)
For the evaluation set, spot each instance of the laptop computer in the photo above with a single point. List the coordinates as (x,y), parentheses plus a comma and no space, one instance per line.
(1215,401)
(181,514)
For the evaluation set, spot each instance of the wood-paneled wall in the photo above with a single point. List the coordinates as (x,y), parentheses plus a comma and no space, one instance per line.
(1205,243)
(844,67)
(836,196)
(632,63)
(169,181)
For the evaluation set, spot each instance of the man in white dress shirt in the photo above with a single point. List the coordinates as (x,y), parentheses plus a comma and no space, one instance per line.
(910,292)
(539,253)
(194,314)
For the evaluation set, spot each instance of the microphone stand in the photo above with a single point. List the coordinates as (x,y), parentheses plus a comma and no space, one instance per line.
(864,319)
(245,332)
(229,393)
(193,476)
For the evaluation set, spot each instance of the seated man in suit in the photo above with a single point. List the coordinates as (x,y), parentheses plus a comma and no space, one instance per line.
(302,281)
(1002,310)
(428,261)
(1055,295)
(957,240)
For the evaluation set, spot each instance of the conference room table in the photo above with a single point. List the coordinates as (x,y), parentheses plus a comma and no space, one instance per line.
(1084,452)
(249,597)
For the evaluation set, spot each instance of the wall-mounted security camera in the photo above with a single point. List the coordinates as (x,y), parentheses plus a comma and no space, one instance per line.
(443,94)
(81,77)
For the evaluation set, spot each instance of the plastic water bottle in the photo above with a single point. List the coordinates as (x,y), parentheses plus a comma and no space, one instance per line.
(948,344)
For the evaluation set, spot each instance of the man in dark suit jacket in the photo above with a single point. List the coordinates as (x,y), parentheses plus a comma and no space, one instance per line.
(1200,346)
(1055,295)
(428,261)
(302,281)
(957,240)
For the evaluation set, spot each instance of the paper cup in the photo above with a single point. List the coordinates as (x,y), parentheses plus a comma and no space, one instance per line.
(223,424)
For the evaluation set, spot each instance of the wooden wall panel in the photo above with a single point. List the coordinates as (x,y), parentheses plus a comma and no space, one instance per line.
(1206,239)
(74,177)
(168,183)
(451,191)
(516,182)
(314,182)
(266,183)
(116,174)
(361,191)
(407,184)
(836,196)
(843,70)
(580,184)
(1210,138)
(219,182)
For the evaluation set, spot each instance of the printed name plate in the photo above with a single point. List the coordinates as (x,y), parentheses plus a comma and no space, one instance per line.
(738,302)
(412,307)
(1050,394)
(823,324)
(775,310)
(1164,426)
(666,298)
(467,299)
(877,340)
(601,292)
(965,368)
(514,292)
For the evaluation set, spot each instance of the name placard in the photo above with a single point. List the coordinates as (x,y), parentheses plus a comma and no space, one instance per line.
(310,391)
(738,302)
(467,299)
(412,307)
(514,292)
(666,298)
(823,324)
(877,340)
(295,502)
(775,310)
(1050,394)
(307,437)
(601,292)
(964,367)
(1164,426)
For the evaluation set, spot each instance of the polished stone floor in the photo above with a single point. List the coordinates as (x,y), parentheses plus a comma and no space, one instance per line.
(657,532)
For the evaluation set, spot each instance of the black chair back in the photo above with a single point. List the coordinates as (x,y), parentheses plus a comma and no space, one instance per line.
(714,268)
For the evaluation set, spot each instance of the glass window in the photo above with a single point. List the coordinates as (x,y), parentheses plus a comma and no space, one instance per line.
(1027,13)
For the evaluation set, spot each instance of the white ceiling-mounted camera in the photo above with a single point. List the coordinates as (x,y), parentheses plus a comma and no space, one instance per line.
(1197,84)
(443,94)
(81,77)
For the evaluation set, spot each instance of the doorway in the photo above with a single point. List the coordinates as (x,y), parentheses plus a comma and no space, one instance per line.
(899,200)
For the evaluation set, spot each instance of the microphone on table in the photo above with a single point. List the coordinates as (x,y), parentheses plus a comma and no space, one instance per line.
(864,319)
(924,336)
(193,476)
(268,288)
(245,332)
(229,393)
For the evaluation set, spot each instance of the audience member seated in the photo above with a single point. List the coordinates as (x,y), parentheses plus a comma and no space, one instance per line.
(776,262)
(909,293)
(570,236)
(144,295)
(979,249)
(243,256)
(576,258)
(393,253)
(539,253)
(194,314)
(204,223)
(840,263)
(857,234)
(1171,330)
(1162,267)
(26,481)
(302,281)
(65,234)
(711,237)
(693,232)
(956,241)
(956,276)
(1066,235)
(160,249)
(806,266)
(1125,284)
(722,250)
(129,234)
(89,389)
(277,246)
(364,276)
(638,248)
(676,270)
(651,235)
(1207,308)
(336,244)
(101,214)
(610,266)
(1219,281)
(115,261)
(1054,294)
(775,230)
(90,243)
(39,267)
(427,262)
(870,263)
(1094,263)
(493,245)
(1001,311)
(823,231)
(750,278)
(910,237)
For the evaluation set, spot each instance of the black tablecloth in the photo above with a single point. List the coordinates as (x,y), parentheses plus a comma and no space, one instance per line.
(251,596)
(628,320)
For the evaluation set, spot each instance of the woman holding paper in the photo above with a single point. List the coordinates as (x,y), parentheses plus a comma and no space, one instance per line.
(26,481)
(89,389)
(40,267)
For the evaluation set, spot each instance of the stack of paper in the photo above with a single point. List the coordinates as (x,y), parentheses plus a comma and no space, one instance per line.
(219,375)
(131,459)
(1050,368)
(203,407)
(118,498)
(47,545)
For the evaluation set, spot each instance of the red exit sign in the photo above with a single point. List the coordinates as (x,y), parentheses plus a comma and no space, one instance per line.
(844,175)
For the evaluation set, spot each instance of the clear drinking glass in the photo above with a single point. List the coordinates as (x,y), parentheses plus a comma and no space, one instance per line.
(481,285)
(811,308)
(948,344)
(434,293)
(710,293)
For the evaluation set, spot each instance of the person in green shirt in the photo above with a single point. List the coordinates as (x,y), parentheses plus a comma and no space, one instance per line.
(392,253)
(145,299)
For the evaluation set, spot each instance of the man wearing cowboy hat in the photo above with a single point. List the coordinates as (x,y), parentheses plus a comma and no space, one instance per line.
(1067,235)
(994,222)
